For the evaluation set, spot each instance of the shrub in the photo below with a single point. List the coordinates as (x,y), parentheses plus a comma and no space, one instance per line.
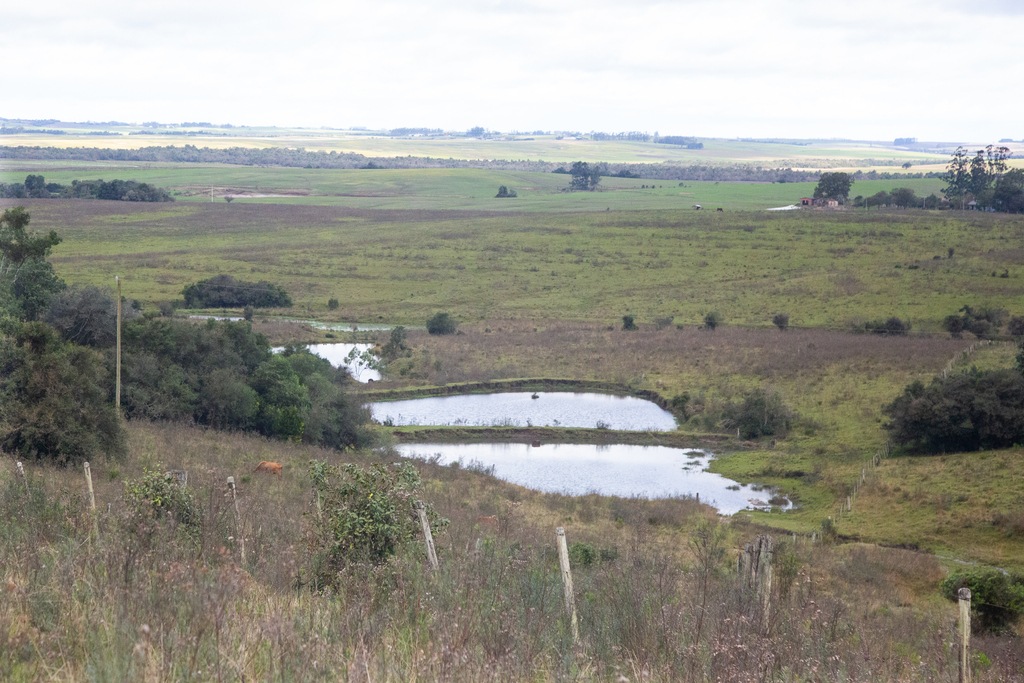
(997,598)
(963,412)
(396,344)
(712,320)
(627,323)
(362,515)
(954,324)
(332,304)
(891,327)
(157,495)
(1016,326)
(582,554)
(442,323)
(680,403)
(53,400)
(504,192)
(761,413)
(781,321)
(224,291)
(247,313)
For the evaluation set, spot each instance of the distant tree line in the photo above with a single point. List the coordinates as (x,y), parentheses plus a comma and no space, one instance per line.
(300,158)
(688,143)
(903,142)
(36,187)
(402,132)
(224,291)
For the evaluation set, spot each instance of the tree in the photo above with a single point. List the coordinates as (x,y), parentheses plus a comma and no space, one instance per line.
(504,192)
(584,176)
(712,320)
(86,315)
(53,402)
(628,324)
(35,187)
(18,246)
(834,186)
(958,177)
(781,321)
(1008,195)
(904,197)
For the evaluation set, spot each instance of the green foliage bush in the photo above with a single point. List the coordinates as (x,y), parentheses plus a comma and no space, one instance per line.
(628,324)
(962,412)
(997,598)
(781,321)
(362,515)
(712,320)
(158,495)
(224,291)
(582,554)
(442,323)
(332,304)
(890,327)
(54,404)
(223,374)
(761,413)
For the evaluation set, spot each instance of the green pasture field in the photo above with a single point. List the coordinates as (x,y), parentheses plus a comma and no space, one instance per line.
(443,188)
(802,154)
(542,294)
(822,268)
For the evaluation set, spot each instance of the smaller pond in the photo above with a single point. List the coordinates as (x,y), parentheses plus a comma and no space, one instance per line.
(611,470)
(337,355)
(521,409)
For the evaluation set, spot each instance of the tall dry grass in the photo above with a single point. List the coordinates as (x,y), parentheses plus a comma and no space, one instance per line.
(152,600)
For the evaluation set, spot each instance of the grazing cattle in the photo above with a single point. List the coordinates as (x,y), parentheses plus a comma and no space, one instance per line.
(721,209)
(269,468)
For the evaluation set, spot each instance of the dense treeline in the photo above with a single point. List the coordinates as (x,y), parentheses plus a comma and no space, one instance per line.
(57,366)
(223,374)
(300,158)
(224,291)
(36,187)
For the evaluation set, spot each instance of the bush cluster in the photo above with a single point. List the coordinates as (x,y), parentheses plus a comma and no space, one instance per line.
(983,322)
(224,291)
(760,413)
(997,598)
(222,374)
(442,323)
(962,412)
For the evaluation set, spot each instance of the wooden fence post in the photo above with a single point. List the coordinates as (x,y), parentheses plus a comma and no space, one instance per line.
(238,518)
(764,585)
(965,635)
(92,502)
(429,538)
(570,598)
(24,479)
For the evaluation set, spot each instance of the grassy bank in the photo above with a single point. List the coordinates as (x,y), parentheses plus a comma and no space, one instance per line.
(659,599)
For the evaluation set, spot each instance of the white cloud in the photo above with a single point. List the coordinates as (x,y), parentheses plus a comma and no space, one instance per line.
(935,70)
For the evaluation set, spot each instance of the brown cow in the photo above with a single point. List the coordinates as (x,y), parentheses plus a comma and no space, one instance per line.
(269,468)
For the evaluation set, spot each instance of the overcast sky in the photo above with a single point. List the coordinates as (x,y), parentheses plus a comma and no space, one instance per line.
(873,69)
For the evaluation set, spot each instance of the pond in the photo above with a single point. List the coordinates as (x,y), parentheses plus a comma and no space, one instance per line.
(523,409)
(337,353)
(612,470)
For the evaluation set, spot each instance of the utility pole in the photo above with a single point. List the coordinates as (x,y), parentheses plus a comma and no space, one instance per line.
(117,399)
